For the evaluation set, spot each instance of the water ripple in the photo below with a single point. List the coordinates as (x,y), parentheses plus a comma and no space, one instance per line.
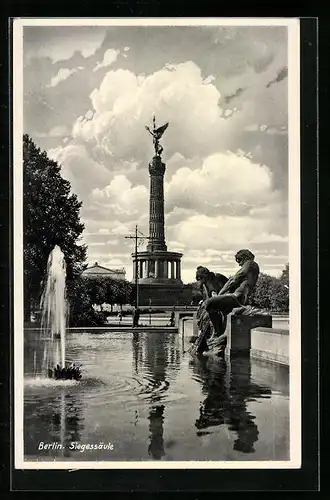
(119,390)
(48,382)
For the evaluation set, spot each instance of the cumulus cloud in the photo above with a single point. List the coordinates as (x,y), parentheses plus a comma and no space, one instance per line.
(79,168)
(201,123)
(109,58)
(124,104)
(121,197)
(221,232)
(62,75)
(225,182)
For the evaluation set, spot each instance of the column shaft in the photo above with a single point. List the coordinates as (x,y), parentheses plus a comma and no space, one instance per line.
(172,270)
(141,269)
(165,269)
(156,205)
(178,270)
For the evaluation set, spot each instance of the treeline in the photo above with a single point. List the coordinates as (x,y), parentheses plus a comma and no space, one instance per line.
(84,293)
(271,293)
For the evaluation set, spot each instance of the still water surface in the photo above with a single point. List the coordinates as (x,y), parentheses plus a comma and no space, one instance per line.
(146,395)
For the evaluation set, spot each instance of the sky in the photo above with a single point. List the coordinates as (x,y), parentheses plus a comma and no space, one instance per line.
(89,91)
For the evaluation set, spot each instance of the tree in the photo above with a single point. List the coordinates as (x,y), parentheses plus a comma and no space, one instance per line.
(96,287)
(195,292)
(111,291)
(51,217)
(285,275)
(123,293)
(279,296)
(80,304)
(99,290)
(260,296)
(107,290)
(270,293)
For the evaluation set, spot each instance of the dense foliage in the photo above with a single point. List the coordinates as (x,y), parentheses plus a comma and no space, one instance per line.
(272,293)
(196,294)
(50,217)
(85,292)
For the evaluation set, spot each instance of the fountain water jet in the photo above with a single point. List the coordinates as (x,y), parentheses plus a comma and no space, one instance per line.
(53,318)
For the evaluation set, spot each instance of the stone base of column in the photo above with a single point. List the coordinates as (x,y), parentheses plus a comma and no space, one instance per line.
(164,294)
(157,267)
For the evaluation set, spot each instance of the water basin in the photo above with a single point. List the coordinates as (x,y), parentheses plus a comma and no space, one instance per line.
(142,397)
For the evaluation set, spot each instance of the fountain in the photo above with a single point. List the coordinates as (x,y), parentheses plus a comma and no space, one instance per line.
(53,319)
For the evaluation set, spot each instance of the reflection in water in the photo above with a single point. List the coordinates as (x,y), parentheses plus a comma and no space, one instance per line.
(158,354)
(142,392)
(156,429)
(137,351)
(228,387)
(72,422)
(58,420)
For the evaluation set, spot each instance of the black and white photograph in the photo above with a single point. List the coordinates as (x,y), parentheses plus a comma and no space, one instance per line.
(156,243)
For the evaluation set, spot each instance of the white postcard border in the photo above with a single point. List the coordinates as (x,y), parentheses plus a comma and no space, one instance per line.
(294,242)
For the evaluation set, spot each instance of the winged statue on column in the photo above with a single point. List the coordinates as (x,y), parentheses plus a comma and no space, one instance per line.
(157,133)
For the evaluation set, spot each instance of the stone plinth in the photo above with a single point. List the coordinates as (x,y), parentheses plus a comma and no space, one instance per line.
(239,332)
(270,344)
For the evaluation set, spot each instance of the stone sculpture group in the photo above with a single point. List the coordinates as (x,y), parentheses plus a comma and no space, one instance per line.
(221,297)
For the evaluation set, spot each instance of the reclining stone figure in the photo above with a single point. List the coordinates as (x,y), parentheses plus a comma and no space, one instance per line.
(210,285)
(233,296)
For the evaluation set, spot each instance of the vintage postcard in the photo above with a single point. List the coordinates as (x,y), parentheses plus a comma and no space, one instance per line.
(157,243)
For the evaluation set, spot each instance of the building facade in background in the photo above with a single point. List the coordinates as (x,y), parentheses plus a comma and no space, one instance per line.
(98,271)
